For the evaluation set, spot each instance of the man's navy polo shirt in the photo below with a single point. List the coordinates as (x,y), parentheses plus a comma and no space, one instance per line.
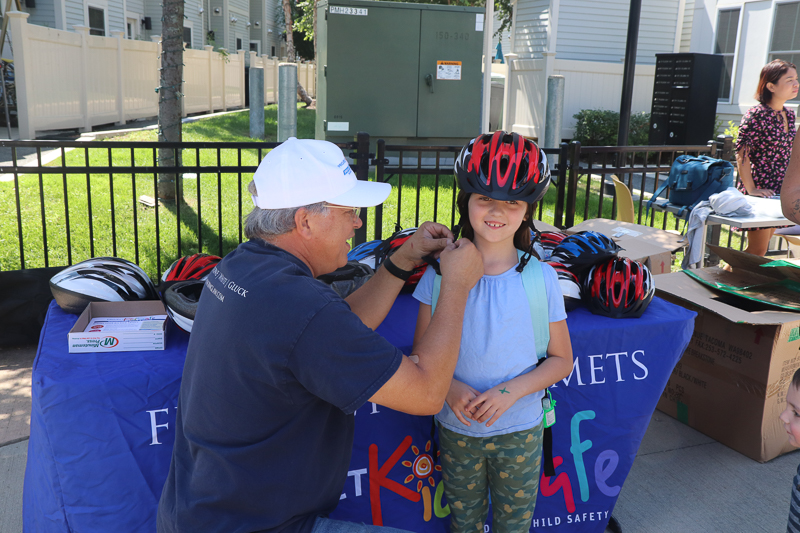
(276,366)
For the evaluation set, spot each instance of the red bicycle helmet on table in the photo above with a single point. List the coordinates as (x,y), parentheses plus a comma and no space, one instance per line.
(504,166)
(619,288)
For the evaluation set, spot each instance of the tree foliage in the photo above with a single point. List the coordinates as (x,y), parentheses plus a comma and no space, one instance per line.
(303,13)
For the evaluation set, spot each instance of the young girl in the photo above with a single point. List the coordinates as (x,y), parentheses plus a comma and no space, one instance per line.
(490,429)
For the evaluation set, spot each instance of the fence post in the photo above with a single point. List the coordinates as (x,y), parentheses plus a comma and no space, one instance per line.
(555,111)
(287,101)
(18,25)
(84,70)
(561,184)
(210,54)
(225,59)
(572,182)
(380,164)
(728,153)
(119,35)
(507,92)
(362,173)
(241,77)
(256,101)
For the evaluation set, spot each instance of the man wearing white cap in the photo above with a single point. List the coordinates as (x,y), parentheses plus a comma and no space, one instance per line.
(278,363)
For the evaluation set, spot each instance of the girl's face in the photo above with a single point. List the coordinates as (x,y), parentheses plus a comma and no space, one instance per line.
(495,221)
(786,87)
(791,416)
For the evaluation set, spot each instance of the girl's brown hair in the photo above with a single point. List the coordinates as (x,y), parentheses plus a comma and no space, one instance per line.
(522,237)
(771,73)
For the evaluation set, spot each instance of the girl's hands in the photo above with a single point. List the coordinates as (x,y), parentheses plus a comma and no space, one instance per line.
(491,404)
(458,397)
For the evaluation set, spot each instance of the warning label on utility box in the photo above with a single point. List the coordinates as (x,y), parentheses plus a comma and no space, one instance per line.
(448,70)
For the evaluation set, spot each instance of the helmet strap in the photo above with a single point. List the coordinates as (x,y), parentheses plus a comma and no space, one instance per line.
(530,251)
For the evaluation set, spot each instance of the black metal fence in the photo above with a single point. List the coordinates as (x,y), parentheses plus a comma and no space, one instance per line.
(75,200)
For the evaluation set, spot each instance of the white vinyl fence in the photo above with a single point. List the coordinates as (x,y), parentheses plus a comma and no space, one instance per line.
(76,80)
(587,85)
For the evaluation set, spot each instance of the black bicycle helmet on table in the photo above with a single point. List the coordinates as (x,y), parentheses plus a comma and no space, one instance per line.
(101,279)
(619,288)
(504,166)
(583,250)
(180,299)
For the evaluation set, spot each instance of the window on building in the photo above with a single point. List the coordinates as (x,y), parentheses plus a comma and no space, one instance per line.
(238,43)
(272,54)
(187,36)
(131,27)
(725,45)
(786,33)
(254,47)
(97,21)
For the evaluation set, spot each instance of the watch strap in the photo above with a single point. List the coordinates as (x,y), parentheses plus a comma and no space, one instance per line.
(396,271)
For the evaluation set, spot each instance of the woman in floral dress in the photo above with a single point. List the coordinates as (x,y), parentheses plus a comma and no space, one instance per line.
(765,141)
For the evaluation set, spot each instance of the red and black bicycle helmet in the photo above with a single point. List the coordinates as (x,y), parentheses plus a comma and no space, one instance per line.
(549,240)
(503,166)
(195,266)
(570,285)
(619,288)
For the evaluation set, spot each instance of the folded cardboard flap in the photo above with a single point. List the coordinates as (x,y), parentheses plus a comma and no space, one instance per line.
(777,285)
(736,309)
(760,265)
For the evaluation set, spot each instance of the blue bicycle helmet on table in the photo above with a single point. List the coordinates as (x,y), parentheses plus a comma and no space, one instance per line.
(583,250)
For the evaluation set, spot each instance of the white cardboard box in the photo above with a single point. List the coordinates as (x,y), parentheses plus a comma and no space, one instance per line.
(651,246)
(80,341)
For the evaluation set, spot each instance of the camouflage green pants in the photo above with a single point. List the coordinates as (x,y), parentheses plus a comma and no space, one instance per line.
(507,465)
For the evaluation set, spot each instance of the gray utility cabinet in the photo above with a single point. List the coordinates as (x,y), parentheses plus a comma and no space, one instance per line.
(408,73)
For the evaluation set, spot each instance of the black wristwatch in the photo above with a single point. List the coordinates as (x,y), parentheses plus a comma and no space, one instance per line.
(396,271)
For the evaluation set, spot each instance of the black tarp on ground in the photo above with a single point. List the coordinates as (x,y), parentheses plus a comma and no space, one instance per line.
(23,305)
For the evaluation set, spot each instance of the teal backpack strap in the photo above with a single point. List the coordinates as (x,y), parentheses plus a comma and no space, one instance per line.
(437,286)
(533,283)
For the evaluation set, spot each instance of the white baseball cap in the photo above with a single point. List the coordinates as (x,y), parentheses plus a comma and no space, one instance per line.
(306,171)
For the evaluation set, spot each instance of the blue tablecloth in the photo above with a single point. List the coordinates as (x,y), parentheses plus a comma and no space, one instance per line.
(102,430)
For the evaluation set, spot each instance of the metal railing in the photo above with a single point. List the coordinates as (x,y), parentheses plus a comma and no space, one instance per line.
(76,200)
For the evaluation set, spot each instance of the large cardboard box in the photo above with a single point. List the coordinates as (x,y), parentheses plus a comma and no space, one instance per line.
(82,341)
(731,381)
(652,246)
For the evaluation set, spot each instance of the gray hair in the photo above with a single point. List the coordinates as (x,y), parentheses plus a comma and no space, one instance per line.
(267,224)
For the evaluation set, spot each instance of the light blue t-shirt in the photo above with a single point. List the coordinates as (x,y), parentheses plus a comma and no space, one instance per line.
(497,344)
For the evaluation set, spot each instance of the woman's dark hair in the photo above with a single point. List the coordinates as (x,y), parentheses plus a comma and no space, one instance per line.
(522,237)
(771,73)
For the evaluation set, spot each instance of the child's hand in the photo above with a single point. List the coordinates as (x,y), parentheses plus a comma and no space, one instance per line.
(490,405)
(459,395)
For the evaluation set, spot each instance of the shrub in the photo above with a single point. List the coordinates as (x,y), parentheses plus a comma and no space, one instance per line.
(599,127)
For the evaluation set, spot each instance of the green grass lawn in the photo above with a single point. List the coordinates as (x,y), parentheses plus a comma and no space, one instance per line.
(105,217)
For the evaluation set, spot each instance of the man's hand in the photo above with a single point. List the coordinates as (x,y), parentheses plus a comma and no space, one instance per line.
(459,395)
(461,262)
(429,239)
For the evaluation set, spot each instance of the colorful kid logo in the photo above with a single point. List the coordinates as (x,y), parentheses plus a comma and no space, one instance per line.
(422,468)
